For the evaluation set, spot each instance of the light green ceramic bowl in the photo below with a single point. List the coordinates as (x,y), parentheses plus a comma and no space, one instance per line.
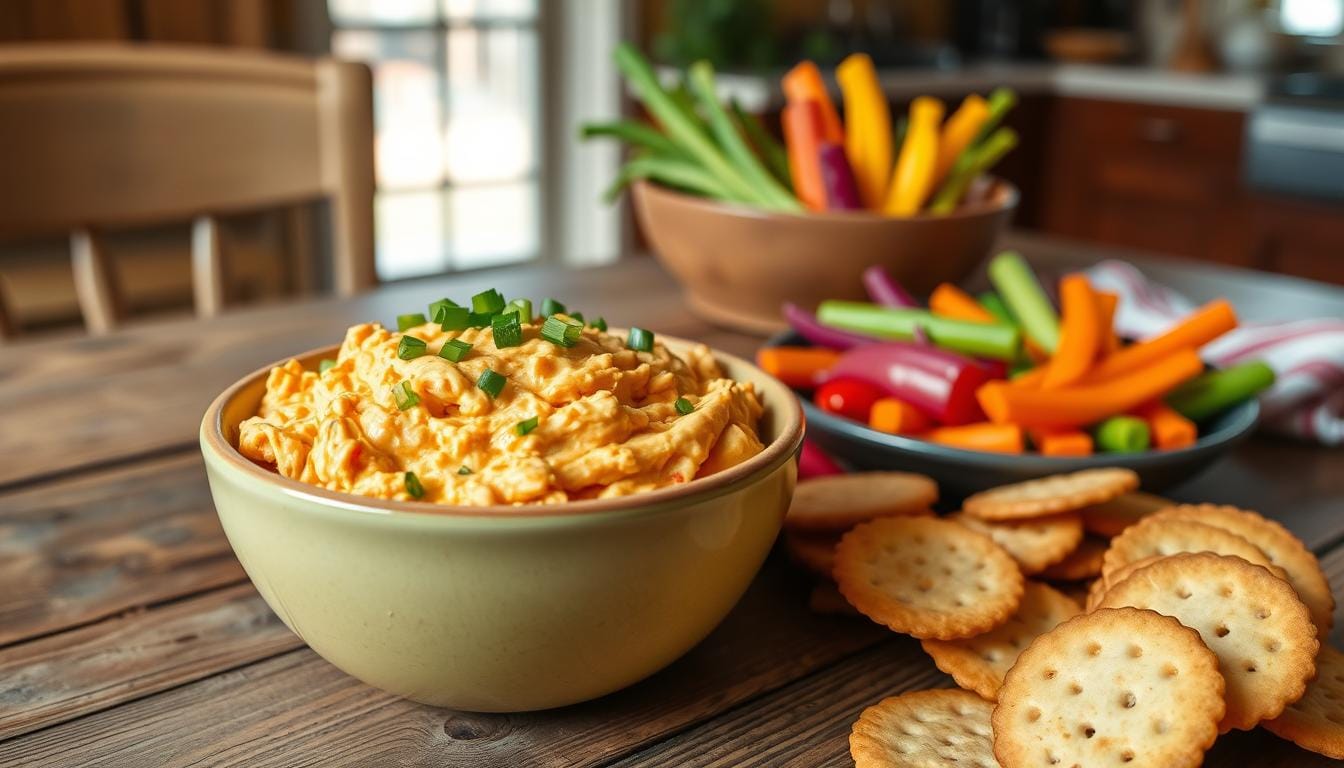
(502,609)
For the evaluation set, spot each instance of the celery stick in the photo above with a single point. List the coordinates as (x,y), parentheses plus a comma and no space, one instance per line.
(972,162)
(633,132)
(768,147)
(1000,101)
(1123,434)
(995,306)
(739,154)
(1017,284)
(681,126)
(673,171)
(1215,391)
(991,340)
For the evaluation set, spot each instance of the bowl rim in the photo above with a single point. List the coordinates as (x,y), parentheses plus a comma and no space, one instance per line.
(784,447)
(1006,200)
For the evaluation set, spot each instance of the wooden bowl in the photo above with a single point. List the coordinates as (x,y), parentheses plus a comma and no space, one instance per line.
(738,264)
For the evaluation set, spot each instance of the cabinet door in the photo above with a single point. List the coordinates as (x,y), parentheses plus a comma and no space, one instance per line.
(1300,238)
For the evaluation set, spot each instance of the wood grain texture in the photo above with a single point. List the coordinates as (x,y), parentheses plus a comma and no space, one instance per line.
(67,675)
(78,550)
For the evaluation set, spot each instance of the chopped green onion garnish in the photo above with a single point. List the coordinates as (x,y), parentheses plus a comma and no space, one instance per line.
(464,470)
(552,307)
(410,321)
(405,398)
(507,330)
(413,486)
(564,333)
(325,365)
(410,348)
(435,306)
(684,406)
(454,350)
(640,340)
(452,318)
(489,302)
(479,319)
(600,324)
(491,383)
(577,316)
(523,307)
(525,426)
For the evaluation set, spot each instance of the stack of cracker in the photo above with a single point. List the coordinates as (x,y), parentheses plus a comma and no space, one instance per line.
(1166,624)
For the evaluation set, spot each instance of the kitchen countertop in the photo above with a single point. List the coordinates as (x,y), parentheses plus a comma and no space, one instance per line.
(1239,92)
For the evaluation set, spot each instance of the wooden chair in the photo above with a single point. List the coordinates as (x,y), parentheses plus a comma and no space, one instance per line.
(98,137)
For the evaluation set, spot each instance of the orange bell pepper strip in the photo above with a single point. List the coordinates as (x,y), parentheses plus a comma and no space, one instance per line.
(803,135)
(800,367)
(1194,331)
(1062,442)
(950,301)
(958,133)
(897,417)
(1079,334)
(867,127)
(1088,403)
(804,83)
(980,436)
(912,181)
(1170,430)
(1107,304)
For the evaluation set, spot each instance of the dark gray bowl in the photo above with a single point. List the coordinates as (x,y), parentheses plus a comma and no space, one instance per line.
(960,472)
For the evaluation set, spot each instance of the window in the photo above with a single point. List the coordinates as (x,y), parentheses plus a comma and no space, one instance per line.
(457,111)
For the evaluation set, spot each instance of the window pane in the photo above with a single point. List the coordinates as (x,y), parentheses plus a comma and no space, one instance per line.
(381,11)
(406,103)
(495,224)
(490,9)
(492,130)
(410,234)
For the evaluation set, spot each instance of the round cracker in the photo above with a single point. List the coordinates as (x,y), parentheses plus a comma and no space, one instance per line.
(1084,562)
(815,553)
(1102,583)
(1282,548)
(924,728)
(1110,688)
(927,577)
(1164,536)
(1253,622)
(1051,495)
(1111,518)
(1316,721)
(840,502)
(1035,543)
(979,663)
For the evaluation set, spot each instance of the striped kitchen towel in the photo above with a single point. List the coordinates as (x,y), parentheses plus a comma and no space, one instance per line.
(1307,355)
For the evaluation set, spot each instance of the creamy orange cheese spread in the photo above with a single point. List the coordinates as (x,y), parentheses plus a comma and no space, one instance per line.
(606,419)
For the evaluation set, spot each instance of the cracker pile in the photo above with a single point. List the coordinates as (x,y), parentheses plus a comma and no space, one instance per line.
(1086,623)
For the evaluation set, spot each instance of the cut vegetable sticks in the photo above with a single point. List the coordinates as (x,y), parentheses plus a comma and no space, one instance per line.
(804,83)
(912,180)
(800,367)
(804,133)
(950,301)
(1017,284)
(1107,303)
(963,126)
(1170,430)
(1217,390)
(1079,335)
(897,417)
(1088,403)
(982,436)
(1194,331)
(867,127)
(1062,442)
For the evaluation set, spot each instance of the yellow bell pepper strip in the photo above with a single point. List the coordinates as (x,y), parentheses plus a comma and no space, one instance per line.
(804,83)
(969,166)
(867,127)
(960,129)
(912,181)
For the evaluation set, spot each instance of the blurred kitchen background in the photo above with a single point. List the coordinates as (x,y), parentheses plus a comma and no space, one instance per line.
(1208,130)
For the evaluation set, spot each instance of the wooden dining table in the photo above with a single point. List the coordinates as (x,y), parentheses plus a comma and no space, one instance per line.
(130,635)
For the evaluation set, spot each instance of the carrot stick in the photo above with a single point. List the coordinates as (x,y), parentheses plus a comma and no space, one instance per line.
(1107,303)
(1194,331)
(1062,442)
(804,83)
(897,417)
(803,135)
(1090,402)
(912,180)
(963,126)
(800,367)
(981,436)
(1170,429)
(950,301)
(1079,334)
